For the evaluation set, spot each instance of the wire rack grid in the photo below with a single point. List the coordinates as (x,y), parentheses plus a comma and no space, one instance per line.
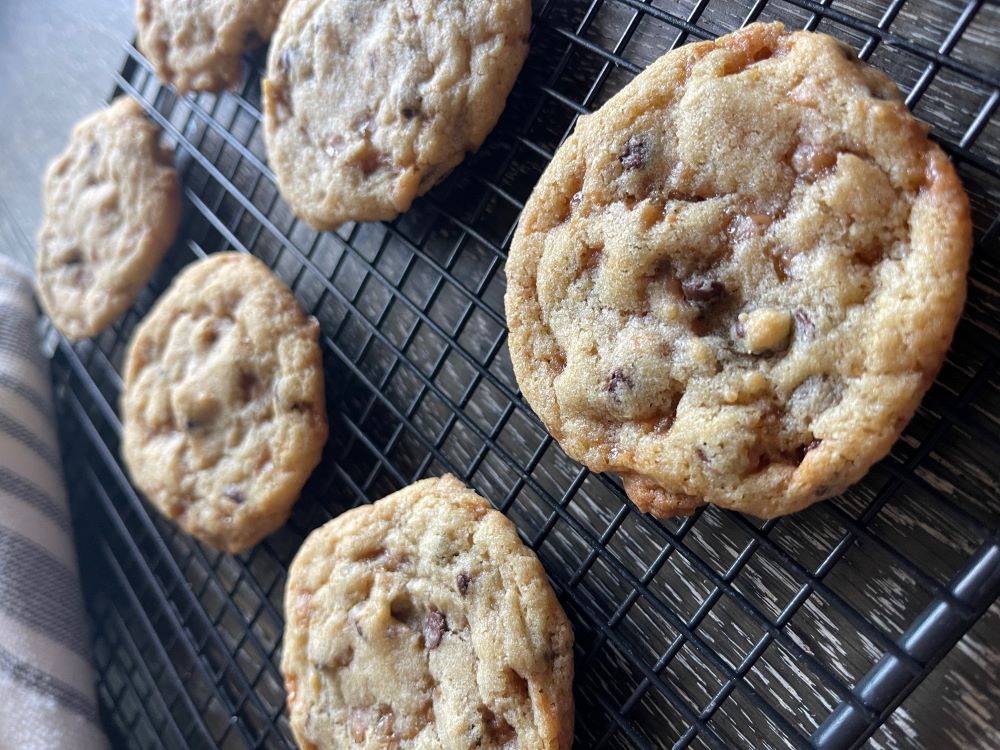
(715,630)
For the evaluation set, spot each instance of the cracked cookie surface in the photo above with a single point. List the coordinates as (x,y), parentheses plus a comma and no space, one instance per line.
(111,206)
(736,280)
(422,621)
(369,104)
(223,407)
(197,45)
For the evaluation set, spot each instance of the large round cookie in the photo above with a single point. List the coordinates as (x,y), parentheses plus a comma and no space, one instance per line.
(223,410)
(422,622)
(196,45)
(735,281)
(111,204)
(369,103)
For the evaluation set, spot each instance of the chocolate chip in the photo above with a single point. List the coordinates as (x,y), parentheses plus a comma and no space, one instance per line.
(232,492)
(618,380)
(804,320)
(250,387)
(635,154)
(408,113)
(462,583)
(700,289)
(287,58)
(498,729)
(434,627)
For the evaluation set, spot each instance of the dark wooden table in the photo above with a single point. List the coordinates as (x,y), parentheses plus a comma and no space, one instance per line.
(56,62)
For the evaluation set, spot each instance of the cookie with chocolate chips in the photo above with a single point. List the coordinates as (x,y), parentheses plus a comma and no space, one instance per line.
(422,621)
(196,46)
(111,204)
(223,407)
(736,280)
(368,104)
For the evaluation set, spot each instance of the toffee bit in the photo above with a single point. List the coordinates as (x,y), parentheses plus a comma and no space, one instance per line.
(434,626)
(462,583)
(360,719)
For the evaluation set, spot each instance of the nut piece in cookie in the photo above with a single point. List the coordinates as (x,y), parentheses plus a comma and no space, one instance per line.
(422,621)
(736,280)
(196,46)
(111,203)
(368,104)
(223,408)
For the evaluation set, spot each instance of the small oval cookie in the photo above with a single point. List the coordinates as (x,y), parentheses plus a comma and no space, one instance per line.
(422,621)
(223,408)
(111,203)
(736,280)
(369,104)
(197,45)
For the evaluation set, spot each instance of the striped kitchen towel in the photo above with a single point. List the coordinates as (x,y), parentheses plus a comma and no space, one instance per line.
(46,677)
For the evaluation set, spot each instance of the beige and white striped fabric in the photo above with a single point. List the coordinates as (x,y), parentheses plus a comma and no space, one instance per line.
(46,677)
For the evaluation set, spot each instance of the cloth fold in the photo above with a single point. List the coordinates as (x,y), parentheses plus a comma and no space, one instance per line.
(46,676)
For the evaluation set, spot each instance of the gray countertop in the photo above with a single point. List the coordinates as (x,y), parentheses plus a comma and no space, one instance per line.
(57,58)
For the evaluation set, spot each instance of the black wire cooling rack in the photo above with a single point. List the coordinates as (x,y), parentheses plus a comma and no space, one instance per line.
(710,631)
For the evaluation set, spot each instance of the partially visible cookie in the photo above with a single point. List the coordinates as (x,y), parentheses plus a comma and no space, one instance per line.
(422,621)
(736,280)
(111,204)
(369,104)
(197,45)
(223,408)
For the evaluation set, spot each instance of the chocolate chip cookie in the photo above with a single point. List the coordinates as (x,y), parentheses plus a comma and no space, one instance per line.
(421,621)
(369,104)
(197,45)
(111,203)
(737,279)
(223,409)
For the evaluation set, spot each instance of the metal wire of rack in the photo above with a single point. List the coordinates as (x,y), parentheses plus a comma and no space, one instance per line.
(710,631)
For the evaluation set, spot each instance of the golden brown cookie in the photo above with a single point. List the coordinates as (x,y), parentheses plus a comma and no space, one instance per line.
(370,103)
(196,45)
(223,409)
(422,621)
(736,280)
(111,205)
